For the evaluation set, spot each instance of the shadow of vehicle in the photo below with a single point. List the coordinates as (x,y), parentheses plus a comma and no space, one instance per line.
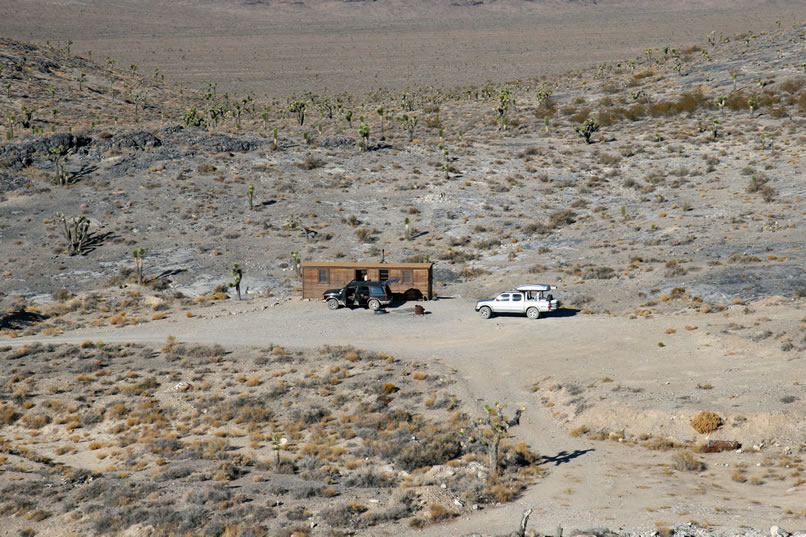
(563,456)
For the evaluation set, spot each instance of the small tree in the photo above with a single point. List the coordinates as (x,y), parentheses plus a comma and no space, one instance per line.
(490,430)
(409,123)
(380,112)
(752,104)
(720,103)
(348,117)
(543,95)
(587,129)
(250,193)
(27,117)
(139,255)
(298,108)
(58,155)
(296,262)
(75,231)
(237,274)
(363,132)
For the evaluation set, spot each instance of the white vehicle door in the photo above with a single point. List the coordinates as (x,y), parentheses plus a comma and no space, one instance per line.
(502,303)
(517,303)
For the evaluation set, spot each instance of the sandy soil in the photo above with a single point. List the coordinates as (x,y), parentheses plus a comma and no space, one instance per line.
(630,384)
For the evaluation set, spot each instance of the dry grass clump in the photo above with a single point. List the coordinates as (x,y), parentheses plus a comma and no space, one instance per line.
(685,461)
(706,422)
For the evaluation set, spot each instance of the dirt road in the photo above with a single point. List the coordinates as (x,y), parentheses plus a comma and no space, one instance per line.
(508,359)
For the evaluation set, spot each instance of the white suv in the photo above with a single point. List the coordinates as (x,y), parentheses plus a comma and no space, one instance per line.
(533,300)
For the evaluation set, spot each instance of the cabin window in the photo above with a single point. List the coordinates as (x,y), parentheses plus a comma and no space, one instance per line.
(383,275)
(324,275)
(361,275)
(406,276)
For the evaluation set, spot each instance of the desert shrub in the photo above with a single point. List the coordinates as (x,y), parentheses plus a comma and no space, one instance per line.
(438,513)
(310,162)
(36,421)
(172,473)
(635,112)
(792,85)
(706,422)
(8,415)
(311,415)
(688,102)
(538,228)
(685,461)
(369,478)
(737,101)
(429,451)
(561,218)
(580,116)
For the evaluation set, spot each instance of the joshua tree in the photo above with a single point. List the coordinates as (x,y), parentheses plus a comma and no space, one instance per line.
(274,138)
(296,261)
(139,254)
(58,155)
(733,76)
(298,108)
(192,118)
(250,193)
(409,123)
(752,104)
(75,230)
(27,116)
(543,95)
(586,129)
(237,274)
(11,119)
(363,132)
(380,111)
(265,116)
(504,101)
(348,117)
(80,78)
(490,430)
(406,228)
(720,103)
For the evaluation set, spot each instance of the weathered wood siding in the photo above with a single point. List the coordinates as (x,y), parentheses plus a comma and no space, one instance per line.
(338,275)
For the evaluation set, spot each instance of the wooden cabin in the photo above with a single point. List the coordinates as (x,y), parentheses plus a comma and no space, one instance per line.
(415,279)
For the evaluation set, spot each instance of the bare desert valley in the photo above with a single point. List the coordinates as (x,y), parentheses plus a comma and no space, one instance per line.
(646,158)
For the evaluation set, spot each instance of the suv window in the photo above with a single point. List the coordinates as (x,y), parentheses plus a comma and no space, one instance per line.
(377,290)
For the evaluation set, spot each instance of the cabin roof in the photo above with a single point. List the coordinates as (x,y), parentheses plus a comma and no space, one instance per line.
(359,265)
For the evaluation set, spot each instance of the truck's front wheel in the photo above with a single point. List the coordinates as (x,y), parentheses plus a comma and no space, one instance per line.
(485,312)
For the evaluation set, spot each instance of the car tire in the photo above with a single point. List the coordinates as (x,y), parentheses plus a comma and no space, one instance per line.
(533,313)
(333,304)
(374,305)
(485,312)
